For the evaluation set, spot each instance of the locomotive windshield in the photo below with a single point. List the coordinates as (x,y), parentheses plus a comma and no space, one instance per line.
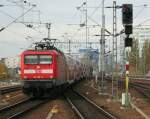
(31,59)
(45,59)
(38,59)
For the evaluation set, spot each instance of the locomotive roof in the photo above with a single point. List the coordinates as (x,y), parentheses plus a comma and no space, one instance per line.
(52,52)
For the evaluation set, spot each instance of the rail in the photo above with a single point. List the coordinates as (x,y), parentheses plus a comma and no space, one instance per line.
(19,109)
(144,89)
(9,89)
(85,108)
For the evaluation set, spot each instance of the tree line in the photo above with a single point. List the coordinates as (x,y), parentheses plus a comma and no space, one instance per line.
(139,57)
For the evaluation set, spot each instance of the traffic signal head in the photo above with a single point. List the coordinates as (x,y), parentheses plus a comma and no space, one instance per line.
(128,42)
(128,29)
(127,14)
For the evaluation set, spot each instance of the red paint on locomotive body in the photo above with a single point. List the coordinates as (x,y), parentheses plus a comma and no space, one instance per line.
(42,70)
(36,65)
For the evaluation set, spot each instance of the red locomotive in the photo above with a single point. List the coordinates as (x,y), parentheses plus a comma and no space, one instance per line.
(48,68)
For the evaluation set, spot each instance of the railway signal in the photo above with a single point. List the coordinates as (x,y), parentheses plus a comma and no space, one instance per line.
(127,67)
(128,42)
(127,21)
(128,29)
(127,14)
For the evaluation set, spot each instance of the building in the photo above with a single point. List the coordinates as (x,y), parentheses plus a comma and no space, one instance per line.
(142,34)
(11,62)
(90,57)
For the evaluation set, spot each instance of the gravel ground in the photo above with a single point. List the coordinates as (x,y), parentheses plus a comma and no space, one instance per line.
(58,108)
(110,105)
(140,101)
(2,85)
(12,98)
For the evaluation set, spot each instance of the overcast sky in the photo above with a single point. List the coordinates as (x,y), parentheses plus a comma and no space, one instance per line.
(60,13)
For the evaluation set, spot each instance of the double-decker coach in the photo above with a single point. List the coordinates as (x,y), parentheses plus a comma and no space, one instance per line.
(45,69)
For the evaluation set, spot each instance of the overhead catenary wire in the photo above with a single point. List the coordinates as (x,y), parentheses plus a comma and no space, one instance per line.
(144,6)
(17,18)
(142,23)
(94,21)
(96,8)
(24,23)
(89,17)
(5,13)
(20,1)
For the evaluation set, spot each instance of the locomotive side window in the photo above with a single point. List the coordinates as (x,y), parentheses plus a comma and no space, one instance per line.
(31,59)
(45,59)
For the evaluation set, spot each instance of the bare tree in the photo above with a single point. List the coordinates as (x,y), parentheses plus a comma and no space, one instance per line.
(134,57)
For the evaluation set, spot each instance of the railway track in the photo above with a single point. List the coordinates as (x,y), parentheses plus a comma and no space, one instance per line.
(144,89)
(139,77)
(5,90)
(85,108)
(19,109)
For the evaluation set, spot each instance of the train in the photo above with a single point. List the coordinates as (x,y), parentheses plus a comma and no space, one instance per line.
(43,70)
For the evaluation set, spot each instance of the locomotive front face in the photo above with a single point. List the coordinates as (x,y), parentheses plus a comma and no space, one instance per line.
(38,72)
(38,67)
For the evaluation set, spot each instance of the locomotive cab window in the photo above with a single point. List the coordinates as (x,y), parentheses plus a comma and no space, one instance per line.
(45,59)
(31,59)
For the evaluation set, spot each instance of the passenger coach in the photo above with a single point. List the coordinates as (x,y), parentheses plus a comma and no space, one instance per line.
(43,70)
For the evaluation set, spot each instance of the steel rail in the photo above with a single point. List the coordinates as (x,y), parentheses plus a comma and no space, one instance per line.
(85,108)
(19,109)
(75,109)
(142,85)
(144,90)
(9,89)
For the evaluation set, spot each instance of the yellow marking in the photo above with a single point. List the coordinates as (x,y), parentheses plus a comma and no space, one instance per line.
(54,110)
